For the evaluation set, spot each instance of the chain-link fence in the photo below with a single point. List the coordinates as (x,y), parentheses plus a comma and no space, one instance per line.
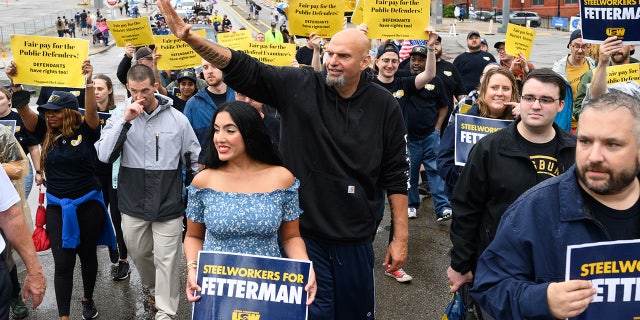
(34,26)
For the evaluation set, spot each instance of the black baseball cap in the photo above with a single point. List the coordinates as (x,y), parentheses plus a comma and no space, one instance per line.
(498,44)
(59,100)
(473,33)
(574,35)
(389,47)
(421,50)
(187,74)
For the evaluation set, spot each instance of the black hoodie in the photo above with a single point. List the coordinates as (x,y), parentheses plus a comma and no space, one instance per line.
(344,151)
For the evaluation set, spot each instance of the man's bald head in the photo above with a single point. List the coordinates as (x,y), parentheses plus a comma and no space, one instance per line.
(359,40)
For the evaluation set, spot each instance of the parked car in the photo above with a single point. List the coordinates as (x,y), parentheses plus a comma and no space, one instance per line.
(521,18)
(482,15)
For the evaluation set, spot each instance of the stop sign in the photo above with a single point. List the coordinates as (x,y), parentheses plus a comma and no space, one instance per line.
(112,2)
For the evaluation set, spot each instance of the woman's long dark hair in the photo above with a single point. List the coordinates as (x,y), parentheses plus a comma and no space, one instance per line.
(258,144)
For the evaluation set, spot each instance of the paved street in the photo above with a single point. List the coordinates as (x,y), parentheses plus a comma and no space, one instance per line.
(424,298)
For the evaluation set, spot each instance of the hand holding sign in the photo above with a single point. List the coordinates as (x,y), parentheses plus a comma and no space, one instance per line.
(569,299)
(608,48)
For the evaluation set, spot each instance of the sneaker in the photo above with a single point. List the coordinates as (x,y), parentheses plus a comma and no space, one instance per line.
(114,256)
(399,275)
(89,310)
(413,213)
(122,272)
(423,189)
(18,309)
(445,215)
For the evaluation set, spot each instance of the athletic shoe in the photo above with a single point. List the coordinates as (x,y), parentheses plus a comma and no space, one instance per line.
(412,213)
(446,215)
(423,189)
(89,310)
(122,272)
(399,275)
(18,309)
(113,255)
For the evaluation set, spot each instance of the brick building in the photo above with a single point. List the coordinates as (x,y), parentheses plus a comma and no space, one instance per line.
(568,8)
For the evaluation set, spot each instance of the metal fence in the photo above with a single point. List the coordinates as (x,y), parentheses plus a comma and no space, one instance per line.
(34,26)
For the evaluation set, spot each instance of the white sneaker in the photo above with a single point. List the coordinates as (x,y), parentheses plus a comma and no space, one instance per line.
(446,215)
(399,275)
(413,213)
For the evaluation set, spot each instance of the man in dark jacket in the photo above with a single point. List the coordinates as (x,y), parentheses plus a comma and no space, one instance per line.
(521,274)
(503,165)
(343,137)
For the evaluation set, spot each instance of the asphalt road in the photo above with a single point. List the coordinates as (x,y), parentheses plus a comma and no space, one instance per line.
(423,298)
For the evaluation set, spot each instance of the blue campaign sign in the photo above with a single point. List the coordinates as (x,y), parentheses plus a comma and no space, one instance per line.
(249,287)
(558,22)
(602,19)
(10,124)
(470,129)
(575,23)
(104,116)
(613,268)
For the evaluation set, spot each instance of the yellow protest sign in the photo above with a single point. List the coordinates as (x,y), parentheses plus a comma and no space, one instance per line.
(519,39)
(49,61)
(323,17)
(135,31)
(397,19)
(358,13)
(275,54)
(623,73)
(176,54)
(234,40)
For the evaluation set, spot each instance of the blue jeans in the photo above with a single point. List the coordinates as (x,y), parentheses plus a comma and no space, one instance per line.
(28,181)
(425,152)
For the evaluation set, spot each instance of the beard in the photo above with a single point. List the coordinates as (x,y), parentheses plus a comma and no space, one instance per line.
(619,58)
(617,181)
(474,48)
(438,55)
(334,81)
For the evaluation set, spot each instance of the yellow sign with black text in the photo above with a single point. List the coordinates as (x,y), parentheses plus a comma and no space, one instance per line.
(49,61)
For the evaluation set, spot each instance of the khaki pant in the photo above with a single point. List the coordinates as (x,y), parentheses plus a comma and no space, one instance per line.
(155,248)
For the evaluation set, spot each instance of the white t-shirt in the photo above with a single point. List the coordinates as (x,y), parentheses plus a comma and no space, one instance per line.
(8,197)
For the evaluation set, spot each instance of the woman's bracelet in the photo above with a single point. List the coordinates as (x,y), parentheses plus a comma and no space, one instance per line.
(192,264)
(38,172)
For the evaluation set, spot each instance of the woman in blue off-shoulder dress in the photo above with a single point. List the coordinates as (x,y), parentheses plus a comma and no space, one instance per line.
(244,198)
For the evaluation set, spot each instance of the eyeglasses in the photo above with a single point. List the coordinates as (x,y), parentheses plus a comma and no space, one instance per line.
(544,101)
(500,50)
(387,60)
(584,47)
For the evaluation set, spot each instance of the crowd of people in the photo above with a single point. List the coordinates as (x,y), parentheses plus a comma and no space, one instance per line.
(307,175)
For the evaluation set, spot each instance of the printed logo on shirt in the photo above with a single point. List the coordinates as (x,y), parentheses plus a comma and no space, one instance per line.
(545,165)
(398,94)
(486,58)
(429,86)
(447,73)
(77,142)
